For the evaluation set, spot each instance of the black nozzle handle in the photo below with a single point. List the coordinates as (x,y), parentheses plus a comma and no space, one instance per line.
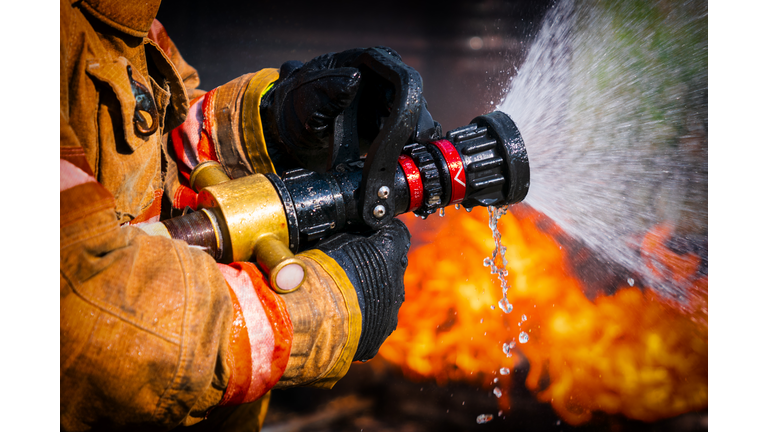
(377,208)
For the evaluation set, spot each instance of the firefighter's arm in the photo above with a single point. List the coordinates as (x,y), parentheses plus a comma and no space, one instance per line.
(144,320)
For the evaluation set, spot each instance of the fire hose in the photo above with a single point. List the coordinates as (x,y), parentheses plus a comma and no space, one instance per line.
(408,167)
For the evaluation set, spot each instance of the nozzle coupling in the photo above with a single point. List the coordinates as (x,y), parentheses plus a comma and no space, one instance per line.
(482,164)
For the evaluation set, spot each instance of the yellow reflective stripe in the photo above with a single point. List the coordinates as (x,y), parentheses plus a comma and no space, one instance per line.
(253,134)
(266,89)
(339,276)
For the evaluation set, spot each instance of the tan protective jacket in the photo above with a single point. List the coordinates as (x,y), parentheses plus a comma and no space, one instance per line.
(153,333)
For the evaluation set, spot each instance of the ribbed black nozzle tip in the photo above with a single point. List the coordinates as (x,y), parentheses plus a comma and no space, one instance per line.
(517,172)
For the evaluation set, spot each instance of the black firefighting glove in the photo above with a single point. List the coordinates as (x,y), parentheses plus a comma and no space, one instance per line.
(375,265)
(299,110)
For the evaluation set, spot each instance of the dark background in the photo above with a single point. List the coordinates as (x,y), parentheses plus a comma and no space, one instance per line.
(225,39)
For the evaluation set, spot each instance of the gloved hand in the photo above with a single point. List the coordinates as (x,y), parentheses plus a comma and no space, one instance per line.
(375,266)
(348,304)
(299,110)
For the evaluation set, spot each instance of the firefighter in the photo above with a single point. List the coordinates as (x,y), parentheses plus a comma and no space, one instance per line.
(154,334)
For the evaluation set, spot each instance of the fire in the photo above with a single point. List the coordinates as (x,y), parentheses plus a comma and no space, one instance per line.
(630,352)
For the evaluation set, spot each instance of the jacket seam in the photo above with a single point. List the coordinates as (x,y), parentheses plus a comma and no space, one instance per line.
(98,227)
(163,402)
(103,204)
(107,310)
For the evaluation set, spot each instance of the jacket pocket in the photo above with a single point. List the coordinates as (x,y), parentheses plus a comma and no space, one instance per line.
(139,111)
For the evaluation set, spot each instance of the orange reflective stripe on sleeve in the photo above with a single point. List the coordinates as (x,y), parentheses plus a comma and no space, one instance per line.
(192,144)
(238,357)
(192,141)
(278,317)
(264,320)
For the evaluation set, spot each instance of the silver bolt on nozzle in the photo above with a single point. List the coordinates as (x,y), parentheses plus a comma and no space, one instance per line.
(379,211)
(383,192)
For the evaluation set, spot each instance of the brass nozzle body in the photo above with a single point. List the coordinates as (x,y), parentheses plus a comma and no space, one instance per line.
(252,220)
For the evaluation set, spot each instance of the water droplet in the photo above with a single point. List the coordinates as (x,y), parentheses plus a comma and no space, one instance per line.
(524,318)
(500,412)
(504,371)
(631,282)
(441,212)
(495,380)
(457,206)
(484,418)
(497,392)
(487,262)
(507,348)
(481,320)
(468,209)
(493,307)
(505,305)
(523,337)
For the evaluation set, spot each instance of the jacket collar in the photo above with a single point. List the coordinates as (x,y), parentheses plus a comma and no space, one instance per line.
(130,17)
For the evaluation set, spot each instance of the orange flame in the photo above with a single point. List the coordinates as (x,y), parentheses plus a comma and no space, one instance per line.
(632,352)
